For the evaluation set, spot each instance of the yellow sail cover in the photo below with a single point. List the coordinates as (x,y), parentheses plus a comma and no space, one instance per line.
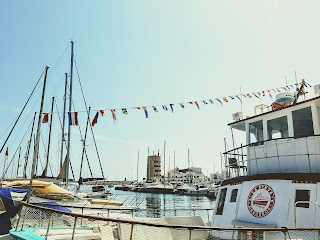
(42,189)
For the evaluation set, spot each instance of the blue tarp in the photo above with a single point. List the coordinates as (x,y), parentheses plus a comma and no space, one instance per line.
(54,205)
(11,208)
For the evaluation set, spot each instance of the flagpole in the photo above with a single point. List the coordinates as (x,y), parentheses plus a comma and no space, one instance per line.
(69,126)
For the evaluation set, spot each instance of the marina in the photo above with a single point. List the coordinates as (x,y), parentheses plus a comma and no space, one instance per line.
(160,120)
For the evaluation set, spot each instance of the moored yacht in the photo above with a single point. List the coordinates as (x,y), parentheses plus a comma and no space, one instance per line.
(274,179)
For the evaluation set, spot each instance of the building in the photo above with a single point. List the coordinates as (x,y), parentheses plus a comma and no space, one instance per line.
(187,175)
(153,168)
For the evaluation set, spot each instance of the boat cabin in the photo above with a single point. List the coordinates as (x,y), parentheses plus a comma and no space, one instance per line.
(279,141)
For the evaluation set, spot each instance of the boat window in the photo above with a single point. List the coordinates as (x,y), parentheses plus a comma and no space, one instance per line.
(278,128)
(222,198)
(302,122)
(234,194)
(302,195)
(256,131)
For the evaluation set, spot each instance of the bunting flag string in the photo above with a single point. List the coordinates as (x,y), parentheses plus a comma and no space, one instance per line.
(45,118)
(95,119)
(165,107)
(114,116)
(101,112)
(196,103)
(155,109)
(171,106)
(73,116)
(219,101)
(145,111)
(124,111)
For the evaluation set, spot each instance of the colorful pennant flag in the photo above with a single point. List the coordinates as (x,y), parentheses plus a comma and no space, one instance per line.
(114,116)
(181,104)
(255,95)
(171,106)
(95,119)
(263,94)
(270,93)
(225,99)
(45,118)
(145,111)
(238,98)
(138,108)
(165,107)
(278,90)
(231,97)
(7,153)
(248,95)
(211,101)
(219,101)
(196,103)
(155,109)
(73,118)
(204,102)
(124,111)
(244,95)
(101,112)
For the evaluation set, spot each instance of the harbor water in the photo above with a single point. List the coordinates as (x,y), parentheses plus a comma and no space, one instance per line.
(158,205)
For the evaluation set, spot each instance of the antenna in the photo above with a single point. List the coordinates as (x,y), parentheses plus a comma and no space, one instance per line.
(286,80)
(295,73)
(241,98)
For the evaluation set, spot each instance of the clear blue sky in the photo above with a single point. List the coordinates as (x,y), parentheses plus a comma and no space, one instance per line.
(142,53)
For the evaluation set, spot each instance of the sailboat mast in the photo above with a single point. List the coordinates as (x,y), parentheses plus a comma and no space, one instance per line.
(44,174)
(189,165)
(84,146)
(63,120)
(36,147)
(138,167)
(174,166)
(69,126)
(164,162)
(18,162)
(28,148)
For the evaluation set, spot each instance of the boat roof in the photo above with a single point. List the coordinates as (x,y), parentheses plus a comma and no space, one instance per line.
(241,123)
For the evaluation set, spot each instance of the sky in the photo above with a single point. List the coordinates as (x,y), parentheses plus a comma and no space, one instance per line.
(144,53)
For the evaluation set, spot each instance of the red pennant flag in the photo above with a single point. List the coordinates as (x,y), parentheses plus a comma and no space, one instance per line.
(95,119)
(7,153)
(101,112)
(45,118)
(196,103)
(225,99)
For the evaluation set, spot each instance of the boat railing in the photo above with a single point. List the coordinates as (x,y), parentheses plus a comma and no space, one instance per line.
(38,222)
(281,155)
(128,211)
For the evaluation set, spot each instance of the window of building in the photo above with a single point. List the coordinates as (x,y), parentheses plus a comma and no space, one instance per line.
(234,194)
(222,198)
(302,195)
(278,128)
(256,131)
(302,122)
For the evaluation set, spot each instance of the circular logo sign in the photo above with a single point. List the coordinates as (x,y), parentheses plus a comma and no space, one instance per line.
(261,200)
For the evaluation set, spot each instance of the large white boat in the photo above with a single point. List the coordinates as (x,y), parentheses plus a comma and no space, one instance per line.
(274,179)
